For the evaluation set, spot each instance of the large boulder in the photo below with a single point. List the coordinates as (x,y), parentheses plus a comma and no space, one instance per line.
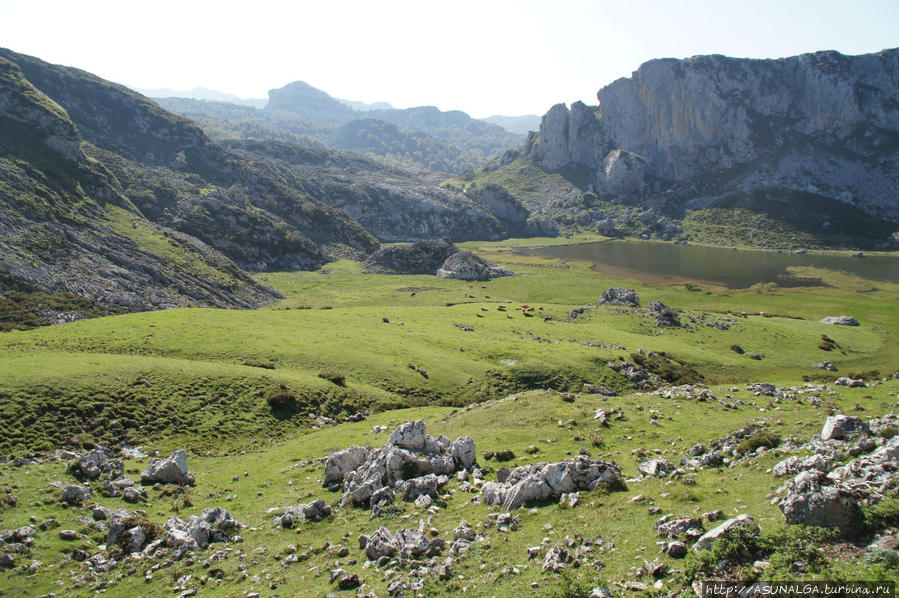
(171,470)
(464,265)
(340,463)
(796,464)
(621,297)
(546,482)
(838,427)
(813,498)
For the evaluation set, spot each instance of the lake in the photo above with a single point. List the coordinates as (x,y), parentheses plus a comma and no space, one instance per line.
(666,263)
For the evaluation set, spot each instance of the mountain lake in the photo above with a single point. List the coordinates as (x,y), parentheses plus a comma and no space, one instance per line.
(667,263)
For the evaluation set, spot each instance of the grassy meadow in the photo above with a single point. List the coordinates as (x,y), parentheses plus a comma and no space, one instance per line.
(410,347)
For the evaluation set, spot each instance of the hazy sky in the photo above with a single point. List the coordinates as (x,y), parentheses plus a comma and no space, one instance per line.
(485,57)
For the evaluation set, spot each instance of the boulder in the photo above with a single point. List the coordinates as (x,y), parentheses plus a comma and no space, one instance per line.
(339,463)
(314,511)
(672,527)
(837,427)
(839,320)
(812,498)
(464,265)
(171,470)
(745,522)
(464,453)
(76,495)
(542,483)
(656,468)
(622,297)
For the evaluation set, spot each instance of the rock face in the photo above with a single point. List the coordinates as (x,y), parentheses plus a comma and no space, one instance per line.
(439,257)
(172,470)
(412,464)
(546,482)
(710,127)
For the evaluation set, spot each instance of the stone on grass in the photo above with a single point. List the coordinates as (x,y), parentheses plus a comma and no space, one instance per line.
(837,427)
(171,470)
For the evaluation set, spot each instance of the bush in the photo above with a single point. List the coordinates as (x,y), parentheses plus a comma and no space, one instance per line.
(878,516)
(888,432)
(764,438)
(282,400)
(504,455)
(888,557)
(151,530)
(596,439)
(737,349)
(333,376)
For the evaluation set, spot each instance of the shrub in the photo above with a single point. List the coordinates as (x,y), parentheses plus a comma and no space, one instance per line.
(737,349)
(878,516)
(333,376)
(504,455)
(764,438)
(151,530)
(888,557)
(282,400)
(888,432)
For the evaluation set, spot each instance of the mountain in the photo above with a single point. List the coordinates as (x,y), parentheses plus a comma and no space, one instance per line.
(70,237)
(364,107)
(810,143)
(423,138)
(516,124)
(202,93)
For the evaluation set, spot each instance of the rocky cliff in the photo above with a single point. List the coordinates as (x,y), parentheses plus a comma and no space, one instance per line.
(689,134)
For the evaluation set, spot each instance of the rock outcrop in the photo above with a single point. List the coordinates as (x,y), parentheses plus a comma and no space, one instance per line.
(437,257)
(412,464)
(547,482)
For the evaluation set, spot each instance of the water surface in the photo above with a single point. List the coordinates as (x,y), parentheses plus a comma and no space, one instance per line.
(735,269)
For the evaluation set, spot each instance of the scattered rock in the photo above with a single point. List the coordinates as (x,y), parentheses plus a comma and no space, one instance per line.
(92,464)
(796,464)
(826,365)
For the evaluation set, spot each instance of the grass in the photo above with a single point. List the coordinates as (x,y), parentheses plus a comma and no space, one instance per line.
(237,389)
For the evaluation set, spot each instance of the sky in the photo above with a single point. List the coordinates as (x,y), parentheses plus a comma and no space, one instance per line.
(484,57)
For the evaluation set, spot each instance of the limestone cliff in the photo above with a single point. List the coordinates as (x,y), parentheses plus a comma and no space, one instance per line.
(710,128)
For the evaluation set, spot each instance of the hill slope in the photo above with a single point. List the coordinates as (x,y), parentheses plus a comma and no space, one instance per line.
(66,227)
